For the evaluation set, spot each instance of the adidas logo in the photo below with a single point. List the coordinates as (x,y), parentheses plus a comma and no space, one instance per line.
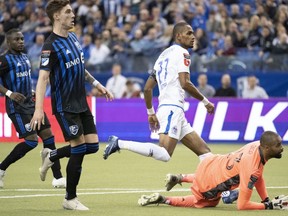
(68,51)
(18,64)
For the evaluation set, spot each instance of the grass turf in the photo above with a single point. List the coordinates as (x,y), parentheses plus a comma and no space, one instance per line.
(112,187)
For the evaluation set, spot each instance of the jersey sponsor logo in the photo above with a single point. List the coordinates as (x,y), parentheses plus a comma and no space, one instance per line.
(23,74)
(28,127)
(68,51)
(45,57)
(72,63)
(74,129)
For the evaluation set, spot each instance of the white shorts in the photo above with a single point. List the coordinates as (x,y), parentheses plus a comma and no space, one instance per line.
(173,122)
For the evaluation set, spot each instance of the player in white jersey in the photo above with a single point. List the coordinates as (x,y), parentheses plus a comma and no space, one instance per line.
(171,73)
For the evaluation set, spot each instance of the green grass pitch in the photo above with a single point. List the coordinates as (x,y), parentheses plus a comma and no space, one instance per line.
(112,187)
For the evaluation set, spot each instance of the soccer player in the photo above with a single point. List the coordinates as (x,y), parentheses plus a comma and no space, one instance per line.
(15,71)
(171,73)
(217,173)
(62,61)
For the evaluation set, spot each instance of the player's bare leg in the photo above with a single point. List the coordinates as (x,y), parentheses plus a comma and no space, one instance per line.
(196,144)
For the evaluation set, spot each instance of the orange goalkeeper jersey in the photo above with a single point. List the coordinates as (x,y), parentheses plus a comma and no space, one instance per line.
(242,168)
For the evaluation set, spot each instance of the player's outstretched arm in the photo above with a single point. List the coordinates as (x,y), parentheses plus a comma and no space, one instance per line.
(38,117)
(189,87)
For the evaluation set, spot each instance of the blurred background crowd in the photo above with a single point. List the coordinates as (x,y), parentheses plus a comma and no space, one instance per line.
(232,35)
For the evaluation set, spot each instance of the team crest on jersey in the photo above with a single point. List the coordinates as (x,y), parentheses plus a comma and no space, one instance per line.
(45,57)
(74,129)
(77,44)
(174,130)
(28,127)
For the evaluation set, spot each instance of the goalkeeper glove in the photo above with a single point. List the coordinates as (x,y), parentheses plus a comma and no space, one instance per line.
(280,202)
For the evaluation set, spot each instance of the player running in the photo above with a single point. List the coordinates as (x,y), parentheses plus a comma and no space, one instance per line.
(171,73)
(218,173)
(15,71)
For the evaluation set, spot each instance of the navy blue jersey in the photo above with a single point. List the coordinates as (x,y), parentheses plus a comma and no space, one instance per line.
(15,72)
(64,58)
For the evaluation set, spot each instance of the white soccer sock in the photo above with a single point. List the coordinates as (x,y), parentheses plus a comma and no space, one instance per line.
(145,149)
(203,156)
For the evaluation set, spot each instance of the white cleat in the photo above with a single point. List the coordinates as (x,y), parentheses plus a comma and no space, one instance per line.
(171,180)
(74,204)
(59,183)
(2,174)
(154,198)
(46,163)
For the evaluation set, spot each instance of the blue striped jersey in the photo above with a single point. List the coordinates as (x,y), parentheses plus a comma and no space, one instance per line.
(15,72)
(63,58)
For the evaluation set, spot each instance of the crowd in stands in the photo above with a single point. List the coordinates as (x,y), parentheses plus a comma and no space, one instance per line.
(234,34)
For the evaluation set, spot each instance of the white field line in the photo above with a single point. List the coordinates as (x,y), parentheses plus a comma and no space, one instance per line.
(105,191)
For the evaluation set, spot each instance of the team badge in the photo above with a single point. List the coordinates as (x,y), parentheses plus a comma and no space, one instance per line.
(45,57)
(28,127)
(174,130)
(74,129)
(78,45)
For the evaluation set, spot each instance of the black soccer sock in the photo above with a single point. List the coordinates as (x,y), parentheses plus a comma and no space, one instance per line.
(59,153)
(56,167)
(92,148)
(74,168)
(18,152)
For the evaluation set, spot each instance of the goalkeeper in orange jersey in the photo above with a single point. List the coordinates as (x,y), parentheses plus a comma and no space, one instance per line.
(218,173)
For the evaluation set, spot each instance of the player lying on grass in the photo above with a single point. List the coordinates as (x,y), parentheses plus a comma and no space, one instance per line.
(218,173)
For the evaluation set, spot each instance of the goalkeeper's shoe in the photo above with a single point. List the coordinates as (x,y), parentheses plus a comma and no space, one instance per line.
(111,147)
(154,198)
(46,163)
(280,202)
(228,197)
(2,174)
(171,180)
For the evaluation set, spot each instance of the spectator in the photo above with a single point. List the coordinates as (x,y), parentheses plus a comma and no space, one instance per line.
(201,42)
(87,46)
(225,90)
(34,53)
(133,90)
(247,12)
(99,53)
(206,89)
(265,42)
(254,36)
(117,83)
(253,90)
(235,13)
(229,49)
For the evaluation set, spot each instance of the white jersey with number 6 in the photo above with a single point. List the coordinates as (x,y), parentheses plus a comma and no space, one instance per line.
(171,61)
